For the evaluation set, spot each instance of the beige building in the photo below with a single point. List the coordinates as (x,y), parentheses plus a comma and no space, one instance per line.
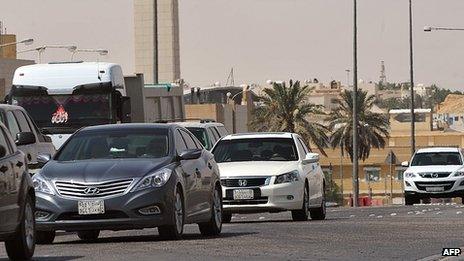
(157,40)
(8,52)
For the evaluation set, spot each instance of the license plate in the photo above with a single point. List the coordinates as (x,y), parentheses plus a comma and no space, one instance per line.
(91,207)
(243,194)
(434,189)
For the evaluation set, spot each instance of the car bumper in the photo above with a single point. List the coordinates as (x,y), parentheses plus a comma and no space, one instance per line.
(270,198)
(452,187)
(121,212)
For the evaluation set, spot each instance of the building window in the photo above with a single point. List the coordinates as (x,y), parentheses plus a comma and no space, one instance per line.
(372,174)
(456,118)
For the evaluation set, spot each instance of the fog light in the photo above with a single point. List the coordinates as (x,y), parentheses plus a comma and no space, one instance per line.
(41,215)
(290,197)
(407,184)
(151,210)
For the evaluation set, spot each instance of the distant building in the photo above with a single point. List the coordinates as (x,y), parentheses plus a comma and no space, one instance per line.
(450,113)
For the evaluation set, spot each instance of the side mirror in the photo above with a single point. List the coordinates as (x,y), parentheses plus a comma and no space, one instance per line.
(24,138)
(43,158)
(126,110)
(312,157)
(405,164)
(2,151)
(190,154)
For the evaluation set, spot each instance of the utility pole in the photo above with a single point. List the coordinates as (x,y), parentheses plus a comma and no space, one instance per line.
(355,107)
(411,72)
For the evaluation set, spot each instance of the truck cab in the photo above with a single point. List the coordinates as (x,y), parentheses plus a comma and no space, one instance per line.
(64,97)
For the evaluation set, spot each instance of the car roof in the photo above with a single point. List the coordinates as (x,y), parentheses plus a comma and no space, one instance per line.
(9,107)
(198,124)
(128,126)
(438,149)
(258,135)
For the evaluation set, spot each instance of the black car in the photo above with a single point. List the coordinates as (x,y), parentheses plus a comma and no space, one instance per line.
(17,197)
(129,176)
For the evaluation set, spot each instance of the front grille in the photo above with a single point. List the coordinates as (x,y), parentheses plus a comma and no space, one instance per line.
(447,185)
(244,182)
(108,215)
(432,175)
(93,190)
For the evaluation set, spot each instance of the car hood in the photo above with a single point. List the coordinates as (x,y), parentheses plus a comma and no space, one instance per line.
(101,170)
(435,168)
(256,168)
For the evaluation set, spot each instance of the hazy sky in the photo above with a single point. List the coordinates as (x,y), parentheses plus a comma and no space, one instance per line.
(261,39)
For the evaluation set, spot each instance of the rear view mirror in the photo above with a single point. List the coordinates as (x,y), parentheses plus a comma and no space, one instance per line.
(405,164)
(312,157)
(190,154)
(43,158)
(24,138)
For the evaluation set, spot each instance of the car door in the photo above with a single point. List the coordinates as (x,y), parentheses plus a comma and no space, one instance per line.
(10,178)
(31,150)
(310,168)
(14,128)
(197,167)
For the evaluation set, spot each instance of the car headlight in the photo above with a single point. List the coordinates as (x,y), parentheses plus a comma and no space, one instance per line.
(409,175)
(459,174)
(287,177)
(154,180)
(41,185)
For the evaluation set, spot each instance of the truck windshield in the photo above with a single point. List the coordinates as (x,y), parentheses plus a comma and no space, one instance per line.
(264,149)
(436,158)
(52,112)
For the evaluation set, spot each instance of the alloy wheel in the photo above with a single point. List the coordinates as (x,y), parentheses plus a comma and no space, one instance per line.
(217,208)
(179,213)
(29,226)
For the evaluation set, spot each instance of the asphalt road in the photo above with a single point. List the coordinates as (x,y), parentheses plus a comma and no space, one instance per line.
(376,233)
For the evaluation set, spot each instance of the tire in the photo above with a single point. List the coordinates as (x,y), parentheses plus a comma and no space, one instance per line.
(226,217)
(303,213)
(410,200)
(88,235)
(320,212)
(22,245)
(214,226)
(45,237)
(462,200)
(174,231)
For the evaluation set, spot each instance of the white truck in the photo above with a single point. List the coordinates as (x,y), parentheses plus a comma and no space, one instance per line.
(63,97)
(434,173)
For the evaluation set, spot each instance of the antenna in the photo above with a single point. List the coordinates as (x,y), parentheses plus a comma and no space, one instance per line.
(383,76)
(230,78)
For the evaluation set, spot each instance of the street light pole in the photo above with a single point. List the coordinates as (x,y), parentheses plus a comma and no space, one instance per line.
(411,72)
(355,107)
(431,28)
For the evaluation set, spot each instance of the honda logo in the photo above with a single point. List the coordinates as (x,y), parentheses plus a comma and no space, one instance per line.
(242,182)
(91,191)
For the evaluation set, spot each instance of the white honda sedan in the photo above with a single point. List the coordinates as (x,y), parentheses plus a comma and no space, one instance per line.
(270,172)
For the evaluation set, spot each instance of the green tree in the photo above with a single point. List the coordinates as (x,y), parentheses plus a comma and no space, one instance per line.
(287,109)
(373,128)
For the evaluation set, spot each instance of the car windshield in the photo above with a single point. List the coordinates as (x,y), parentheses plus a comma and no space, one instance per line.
(264,149)
(200,133)
(436,158)
(112,145)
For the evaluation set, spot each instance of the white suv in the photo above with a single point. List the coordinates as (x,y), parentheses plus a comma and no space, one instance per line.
(270,172)
(434,173)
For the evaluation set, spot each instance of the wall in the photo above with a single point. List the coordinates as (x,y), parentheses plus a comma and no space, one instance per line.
(8,52)
(134,89)
(7,69)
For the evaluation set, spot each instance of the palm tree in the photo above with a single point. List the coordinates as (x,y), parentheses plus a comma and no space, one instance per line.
(286,109)
(373,128)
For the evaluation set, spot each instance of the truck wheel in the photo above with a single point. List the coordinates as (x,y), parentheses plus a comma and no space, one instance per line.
(214,225)
(88,235)
(22,246)
(45,237)
(174,231)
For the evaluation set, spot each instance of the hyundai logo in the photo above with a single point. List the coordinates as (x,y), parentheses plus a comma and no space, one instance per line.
(91,191)
(242,182)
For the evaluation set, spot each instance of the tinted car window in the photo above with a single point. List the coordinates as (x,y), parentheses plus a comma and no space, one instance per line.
(222,130)
(216,133)
(436,158)
(263,149)
(180,143)
(116,144)
(188,140)
(212,135)
(12,124)
(23,124)
(200,134)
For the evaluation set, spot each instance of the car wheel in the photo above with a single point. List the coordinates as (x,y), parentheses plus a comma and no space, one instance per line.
(303,213)
(88,235)
(320,212)
(45,237)
(174,231)
(214,225)
(410,200)
(226,217)
(22,246)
